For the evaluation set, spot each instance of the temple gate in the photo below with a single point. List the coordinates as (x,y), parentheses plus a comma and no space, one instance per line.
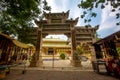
(58,23)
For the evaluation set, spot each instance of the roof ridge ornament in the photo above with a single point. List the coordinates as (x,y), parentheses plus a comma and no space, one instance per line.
(77,18)
(68,11)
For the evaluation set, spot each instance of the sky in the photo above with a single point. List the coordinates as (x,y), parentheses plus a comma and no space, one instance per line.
(105,18)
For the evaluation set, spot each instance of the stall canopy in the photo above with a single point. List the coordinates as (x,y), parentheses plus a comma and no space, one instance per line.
(113,37)
(108,45)
(6,36)
(17,43)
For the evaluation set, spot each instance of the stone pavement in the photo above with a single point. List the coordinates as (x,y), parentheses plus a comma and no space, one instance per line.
(62,71)
(34,74)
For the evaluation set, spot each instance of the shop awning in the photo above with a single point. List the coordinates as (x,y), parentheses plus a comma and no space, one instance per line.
(16,42)
(6,36)
(20,44)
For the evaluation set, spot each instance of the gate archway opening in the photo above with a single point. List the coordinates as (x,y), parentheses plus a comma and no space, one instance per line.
(56,51)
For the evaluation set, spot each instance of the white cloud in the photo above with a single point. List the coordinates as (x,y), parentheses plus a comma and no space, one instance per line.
(108,22)
(64,5)
(57,5)
(105,14)
(52,4)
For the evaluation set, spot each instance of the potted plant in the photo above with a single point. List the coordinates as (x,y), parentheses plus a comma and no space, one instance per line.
(77,56)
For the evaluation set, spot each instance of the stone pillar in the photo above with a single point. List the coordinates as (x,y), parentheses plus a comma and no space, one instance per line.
(93,57)
(73,42)
(38,45)
(35,59)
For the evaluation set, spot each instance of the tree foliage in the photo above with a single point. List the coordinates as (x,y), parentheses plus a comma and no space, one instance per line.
(90,5)
(17,16)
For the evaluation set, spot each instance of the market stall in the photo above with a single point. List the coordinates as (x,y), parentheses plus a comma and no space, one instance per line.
(107,49)
(13,52)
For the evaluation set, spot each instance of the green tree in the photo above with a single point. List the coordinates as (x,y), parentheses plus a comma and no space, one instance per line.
(90,5)
(16,16)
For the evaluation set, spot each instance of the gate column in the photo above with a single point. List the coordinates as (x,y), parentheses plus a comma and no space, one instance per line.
(73,40)
(36,59)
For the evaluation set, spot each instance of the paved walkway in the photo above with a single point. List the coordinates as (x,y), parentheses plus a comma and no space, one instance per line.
(56,75)
(61,71)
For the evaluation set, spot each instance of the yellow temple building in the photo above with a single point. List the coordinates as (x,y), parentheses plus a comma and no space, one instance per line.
(55,46)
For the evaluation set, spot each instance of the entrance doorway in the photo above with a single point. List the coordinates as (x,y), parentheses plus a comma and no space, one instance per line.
(50,51)
(54,48)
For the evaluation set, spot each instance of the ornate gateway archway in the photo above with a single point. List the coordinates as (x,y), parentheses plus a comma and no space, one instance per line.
(58,23)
